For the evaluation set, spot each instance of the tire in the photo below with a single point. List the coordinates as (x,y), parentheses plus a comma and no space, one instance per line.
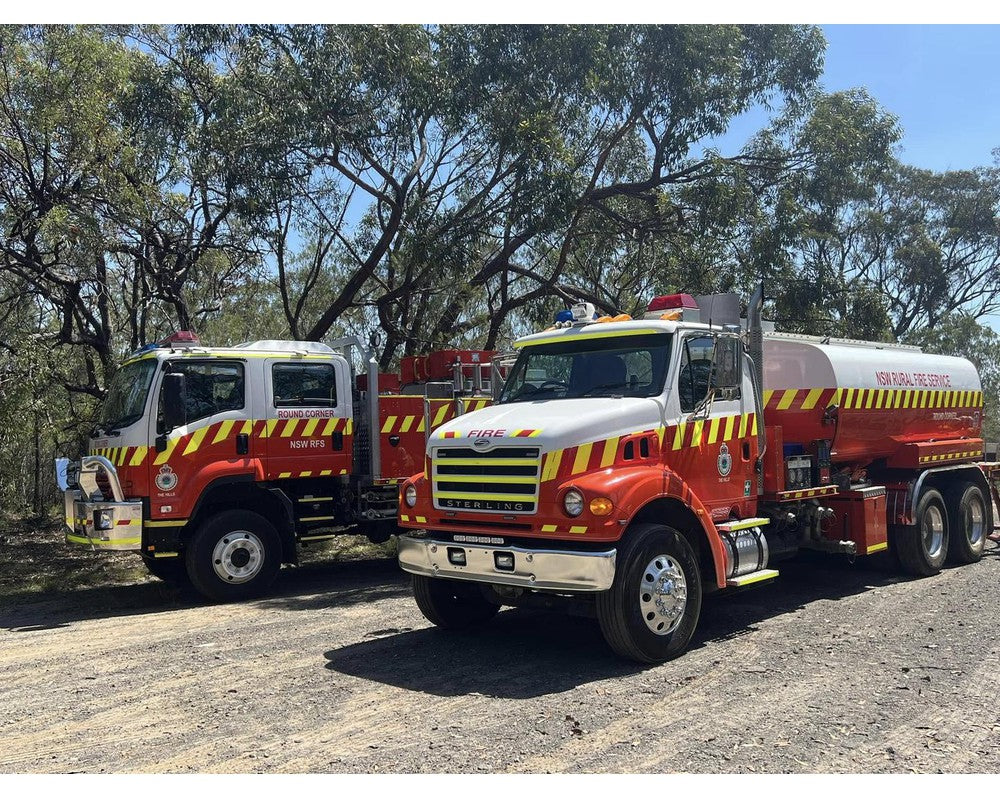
(169,569)
(968,520)
(922,548)
(632,623)
(452,604)
(234,555)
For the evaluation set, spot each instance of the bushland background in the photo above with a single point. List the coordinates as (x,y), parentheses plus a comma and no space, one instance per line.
(446,185)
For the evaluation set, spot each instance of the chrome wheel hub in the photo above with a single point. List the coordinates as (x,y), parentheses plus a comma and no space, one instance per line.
(975,523)
(662,595)
(238,557)
(932,529)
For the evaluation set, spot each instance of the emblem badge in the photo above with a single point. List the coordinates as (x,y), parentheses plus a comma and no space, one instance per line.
(481,443)
(166,480)
(725,461)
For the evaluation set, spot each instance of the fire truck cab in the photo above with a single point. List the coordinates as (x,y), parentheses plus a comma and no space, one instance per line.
(214,463)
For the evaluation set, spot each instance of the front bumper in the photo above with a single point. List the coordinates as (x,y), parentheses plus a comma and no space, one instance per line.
(122,522)
(535,569)
(103,525)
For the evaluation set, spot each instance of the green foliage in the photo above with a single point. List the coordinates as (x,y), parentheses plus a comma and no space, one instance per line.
(439,186)
(960,335)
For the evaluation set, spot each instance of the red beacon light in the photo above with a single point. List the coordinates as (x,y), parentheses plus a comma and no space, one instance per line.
(673,307)
(672,302)
(180,338)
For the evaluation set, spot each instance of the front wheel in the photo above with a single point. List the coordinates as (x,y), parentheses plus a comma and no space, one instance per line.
(651,610)
(921,548)
(452,604)
(169,569)
(235,555)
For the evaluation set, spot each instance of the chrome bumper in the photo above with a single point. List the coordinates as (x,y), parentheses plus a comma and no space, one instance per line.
(108,525)
(112,526)
(536,569)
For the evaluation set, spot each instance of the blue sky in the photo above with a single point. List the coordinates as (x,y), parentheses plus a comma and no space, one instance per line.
(941,81)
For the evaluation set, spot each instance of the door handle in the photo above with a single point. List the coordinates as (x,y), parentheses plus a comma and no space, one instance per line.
(242,443)
(338,441)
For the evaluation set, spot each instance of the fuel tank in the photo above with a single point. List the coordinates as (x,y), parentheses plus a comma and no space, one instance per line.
(867,399)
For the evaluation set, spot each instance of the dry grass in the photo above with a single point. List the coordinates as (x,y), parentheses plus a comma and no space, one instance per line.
(35,558)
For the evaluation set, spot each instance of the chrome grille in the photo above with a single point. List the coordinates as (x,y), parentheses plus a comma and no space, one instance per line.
(500,480)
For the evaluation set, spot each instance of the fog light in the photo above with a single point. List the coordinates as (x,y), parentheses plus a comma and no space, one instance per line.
(601,506)
(410,496)
(503,561)
(103,520)
(456,556)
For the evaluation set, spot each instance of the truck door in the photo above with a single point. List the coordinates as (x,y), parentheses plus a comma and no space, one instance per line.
(217,428)
(309,427)
(714,442)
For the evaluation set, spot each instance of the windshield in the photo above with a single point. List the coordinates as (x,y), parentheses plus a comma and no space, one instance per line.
(126,397)
(629,365)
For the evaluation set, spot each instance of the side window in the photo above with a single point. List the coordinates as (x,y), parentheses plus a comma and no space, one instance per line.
(298,384)
(696,368)
(211,388)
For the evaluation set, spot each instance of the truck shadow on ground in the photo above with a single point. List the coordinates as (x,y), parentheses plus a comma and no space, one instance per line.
(316,585)
(526,653)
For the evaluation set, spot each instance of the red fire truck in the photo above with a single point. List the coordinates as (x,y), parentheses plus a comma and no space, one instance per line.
(213,463)
(631,465)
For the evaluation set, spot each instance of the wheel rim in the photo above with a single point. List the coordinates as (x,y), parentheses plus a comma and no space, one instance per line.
(238,557)
(662,595)
(975,521)
(932,529)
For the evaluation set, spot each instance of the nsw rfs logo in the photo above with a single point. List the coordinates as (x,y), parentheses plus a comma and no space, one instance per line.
(166,480)
(725,461)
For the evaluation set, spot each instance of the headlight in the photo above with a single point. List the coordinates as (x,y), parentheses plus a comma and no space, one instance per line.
(573,502)
(410,496)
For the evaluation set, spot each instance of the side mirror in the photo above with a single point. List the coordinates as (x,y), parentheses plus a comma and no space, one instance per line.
(174,398)
(728,362)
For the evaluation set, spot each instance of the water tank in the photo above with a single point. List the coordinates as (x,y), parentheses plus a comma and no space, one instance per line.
(885,395)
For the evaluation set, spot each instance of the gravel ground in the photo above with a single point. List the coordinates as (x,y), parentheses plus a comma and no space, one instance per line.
(832,668)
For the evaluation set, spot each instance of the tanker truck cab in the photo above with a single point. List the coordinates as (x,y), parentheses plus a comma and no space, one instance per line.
(614,449)
(632,465)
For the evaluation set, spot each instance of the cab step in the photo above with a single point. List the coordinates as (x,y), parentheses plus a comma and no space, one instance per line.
(743,523)
(752,578)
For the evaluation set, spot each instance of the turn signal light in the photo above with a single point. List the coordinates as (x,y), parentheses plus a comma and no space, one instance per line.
(601,506)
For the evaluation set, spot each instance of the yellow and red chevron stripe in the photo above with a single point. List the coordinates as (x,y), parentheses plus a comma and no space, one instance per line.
(565,463)
(223,432)
(870,398)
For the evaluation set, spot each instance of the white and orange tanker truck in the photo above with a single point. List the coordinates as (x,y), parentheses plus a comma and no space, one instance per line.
(633,465)
(213,463)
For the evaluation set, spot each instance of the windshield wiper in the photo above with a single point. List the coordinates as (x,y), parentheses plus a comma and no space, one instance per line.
(604,387)
(112,427)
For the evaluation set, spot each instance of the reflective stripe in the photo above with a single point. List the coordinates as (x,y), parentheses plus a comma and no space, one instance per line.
(195,441)
(582,458)
(610,450)
(812,398)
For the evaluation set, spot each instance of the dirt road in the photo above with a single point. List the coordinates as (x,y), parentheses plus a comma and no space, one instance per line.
(833,668)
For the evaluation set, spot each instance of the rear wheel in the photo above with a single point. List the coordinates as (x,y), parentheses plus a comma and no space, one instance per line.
(452,604)
(921,548)
(235,555)
(652,608)
(968,517)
